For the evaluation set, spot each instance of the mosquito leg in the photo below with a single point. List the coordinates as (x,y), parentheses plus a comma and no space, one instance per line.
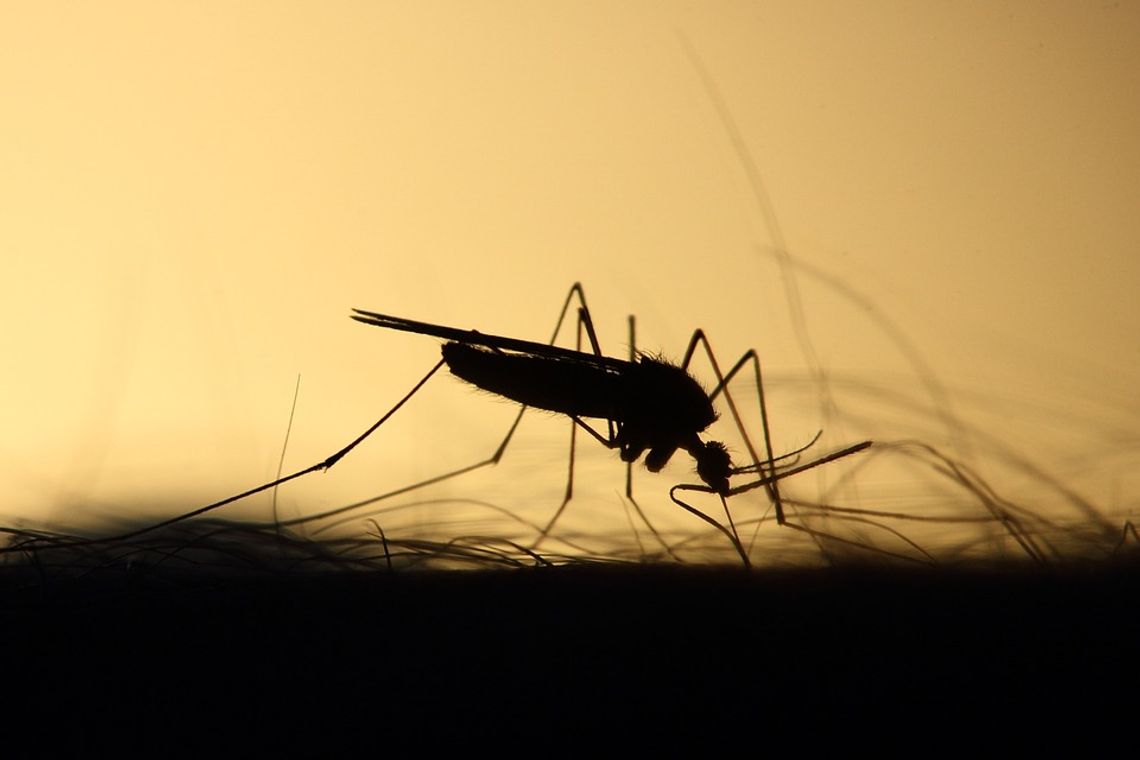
(575,290)
(763,466)
(731,534)
(587,322)
(583,320)
(360,439)
(629,465)
(322,465)
(584,323)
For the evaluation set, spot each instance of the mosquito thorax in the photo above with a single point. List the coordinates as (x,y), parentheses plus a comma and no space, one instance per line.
(665,398)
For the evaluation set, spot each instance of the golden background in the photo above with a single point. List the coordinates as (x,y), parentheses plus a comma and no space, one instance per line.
(195,194)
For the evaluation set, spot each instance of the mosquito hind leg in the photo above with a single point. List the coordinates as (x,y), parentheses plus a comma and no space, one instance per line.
(324,464)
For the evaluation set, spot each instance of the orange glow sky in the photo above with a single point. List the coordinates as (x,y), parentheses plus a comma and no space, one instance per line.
(194,195)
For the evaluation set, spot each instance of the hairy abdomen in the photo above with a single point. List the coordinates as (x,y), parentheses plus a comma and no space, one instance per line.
(557,385)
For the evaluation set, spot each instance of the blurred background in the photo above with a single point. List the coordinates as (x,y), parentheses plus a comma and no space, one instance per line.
(922,216)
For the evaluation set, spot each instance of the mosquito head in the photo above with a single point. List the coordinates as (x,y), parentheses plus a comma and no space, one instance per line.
(713,465)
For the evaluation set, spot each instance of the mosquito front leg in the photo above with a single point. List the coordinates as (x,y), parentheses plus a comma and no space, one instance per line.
(732,535)
(763,466)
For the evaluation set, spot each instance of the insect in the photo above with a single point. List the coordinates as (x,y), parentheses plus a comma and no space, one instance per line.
(651,407)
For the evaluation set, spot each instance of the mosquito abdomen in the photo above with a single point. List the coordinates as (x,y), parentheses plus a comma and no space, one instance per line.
(576,388)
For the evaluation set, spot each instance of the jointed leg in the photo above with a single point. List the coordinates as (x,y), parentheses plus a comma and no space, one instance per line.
(586,323)
(629,465)
(322,465)
(764,467)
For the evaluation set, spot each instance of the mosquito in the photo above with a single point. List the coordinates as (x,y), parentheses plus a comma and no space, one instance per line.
(650,406)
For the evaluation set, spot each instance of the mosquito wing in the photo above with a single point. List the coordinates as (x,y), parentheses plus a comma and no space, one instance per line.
(476,338)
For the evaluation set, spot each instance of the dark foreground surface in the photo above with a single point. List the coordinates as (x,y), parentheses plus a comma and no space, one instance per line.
(549,660)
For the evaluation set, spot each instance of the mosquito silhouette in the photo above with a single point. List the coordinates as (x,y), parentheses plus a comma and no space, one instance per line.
(650,406)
